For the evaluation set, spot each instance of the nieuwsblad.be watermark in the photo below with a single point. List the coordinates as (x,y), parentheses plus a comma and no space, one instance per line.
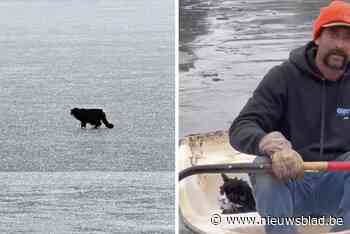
(217,219)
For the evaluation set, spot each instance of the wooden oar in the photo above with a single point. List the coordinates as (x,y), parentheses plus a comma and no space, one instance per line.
(259,167)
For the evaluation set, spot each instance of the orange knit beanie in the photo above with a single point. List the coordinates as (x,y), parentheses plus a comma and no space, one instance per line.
(337,13)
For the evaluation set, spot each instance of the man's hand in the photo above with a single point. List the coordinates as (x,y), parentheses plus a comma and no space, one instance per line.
(273,142)
(287,164)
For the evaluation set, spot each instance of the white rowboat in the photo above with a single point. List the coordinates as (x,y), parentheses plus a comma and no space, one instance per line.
(198,194)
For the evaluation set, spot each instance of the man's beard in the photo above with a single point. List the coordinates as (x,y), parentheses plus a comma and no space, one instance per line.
(336,66)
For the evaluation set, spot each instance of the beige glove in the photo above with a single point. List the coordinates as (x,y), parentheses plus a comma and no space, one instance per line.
(273,142)
(286,163)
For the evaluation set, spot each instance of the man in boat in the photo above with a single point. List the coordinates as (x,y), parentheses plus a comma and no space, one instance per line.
(300,112)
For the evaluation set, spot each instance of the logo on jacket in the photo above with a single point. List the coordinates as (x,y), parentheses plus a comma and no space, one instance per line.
(343,113)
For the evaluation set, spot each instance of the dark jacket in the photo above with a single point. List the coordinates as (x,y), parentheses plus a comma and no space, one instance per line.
(294,98)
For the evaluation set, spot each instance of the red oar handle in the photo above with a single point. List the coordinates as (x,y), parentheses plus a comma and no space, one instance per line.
(338,166)
(327,166)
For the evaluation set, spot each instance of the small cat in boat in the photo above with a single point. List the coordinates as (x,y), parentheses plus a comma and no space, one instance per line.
(236,196)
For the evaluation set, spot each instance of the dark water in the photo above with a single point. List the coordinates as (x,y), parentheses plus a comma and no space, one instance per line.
(225,49)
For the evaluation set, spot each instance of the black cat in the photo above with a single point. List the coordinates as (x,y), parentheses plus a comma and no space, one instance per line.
(236,196)
(91,116)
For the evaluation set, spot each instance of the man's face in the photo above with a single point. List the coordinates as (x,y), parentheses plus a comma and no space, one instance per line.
(334,47)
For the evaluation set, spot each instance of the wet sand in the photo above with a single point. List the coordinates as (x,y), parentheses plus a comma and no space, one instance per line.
(225,49)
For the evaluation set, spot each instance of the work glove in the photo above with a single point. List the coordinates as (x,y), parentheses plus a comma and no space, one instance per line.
(273,142)
(286,163)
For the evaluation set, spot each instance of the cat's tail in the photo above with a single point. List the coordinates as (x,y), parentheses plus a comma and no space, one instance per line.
(104,120)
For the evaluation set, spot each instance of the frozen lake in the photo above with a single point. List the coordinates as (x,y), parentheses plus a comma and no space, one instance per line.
(115,55)
(56,55)
(86,202)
